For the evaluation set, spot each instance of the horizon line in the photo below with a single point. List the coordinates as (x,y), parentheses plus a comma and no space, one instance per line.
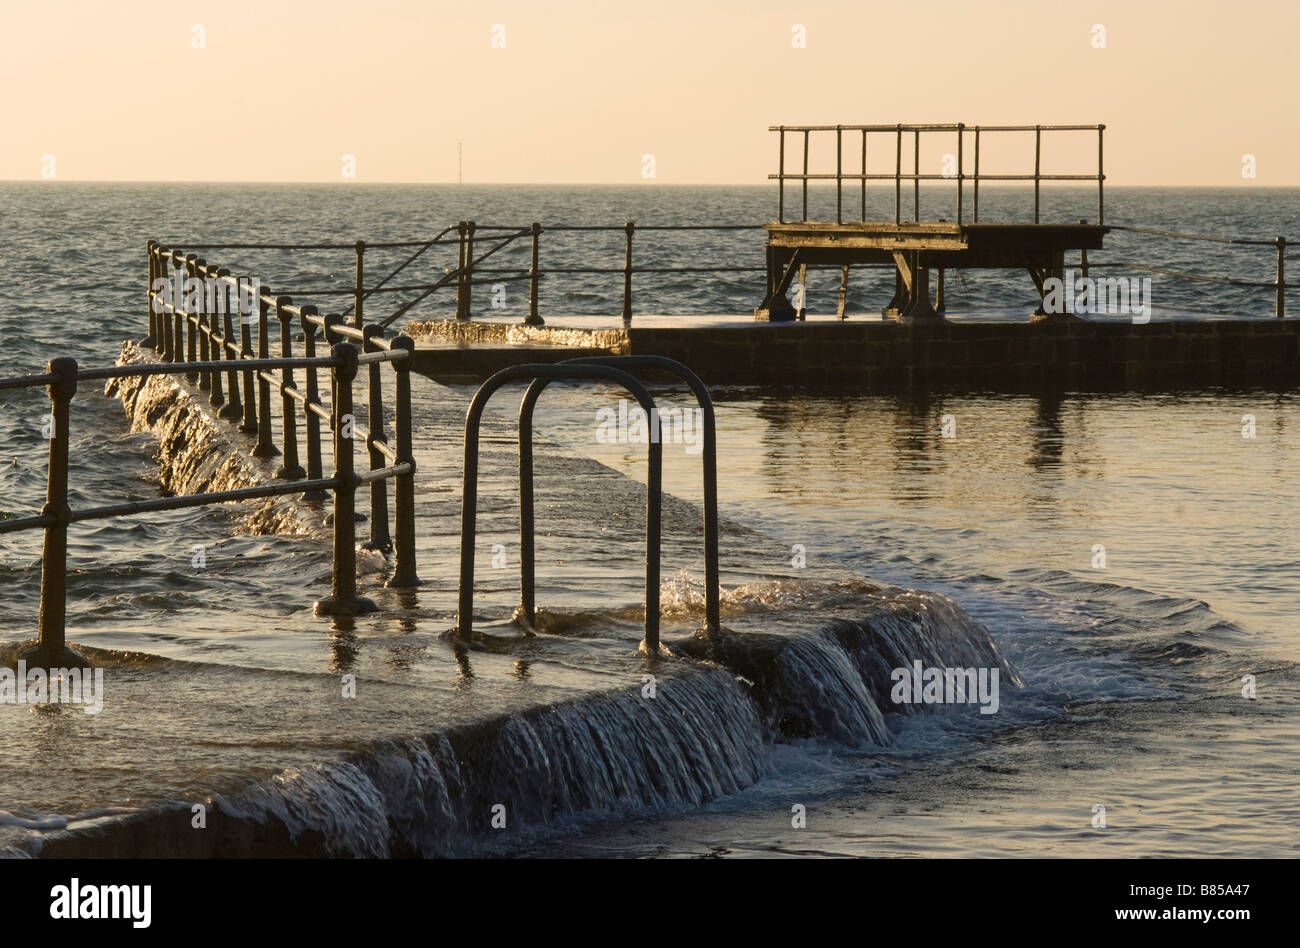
(607,184)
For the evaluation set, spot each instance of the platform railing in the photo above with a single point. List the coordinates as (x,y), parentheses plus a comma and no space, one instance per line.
(899,176)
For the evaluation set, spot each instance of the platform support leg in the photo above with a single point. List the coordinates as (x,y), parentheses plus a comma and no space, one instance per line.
(1055,269)
(900,298)
(776,306)
(915,276)
(920,307)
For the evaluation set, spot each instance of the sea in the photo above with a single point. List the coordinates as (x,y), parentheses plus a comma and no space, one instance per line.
(1125,562)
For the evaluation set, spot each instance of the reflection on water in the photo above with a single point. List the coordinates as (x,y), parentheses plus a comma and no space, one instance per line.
(1184,504)
(897,443)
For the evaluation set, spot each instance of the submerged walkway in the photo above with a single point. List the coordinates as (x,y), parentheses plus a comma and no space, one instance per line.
(228,645)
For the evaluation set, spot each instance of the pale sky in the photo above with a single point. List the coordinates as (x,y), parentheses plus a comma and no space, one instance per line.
(581,91)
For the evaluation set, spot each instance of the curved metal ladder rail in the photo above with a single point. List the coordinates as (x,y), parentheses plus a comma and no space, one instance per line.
(469,491)
(710,463)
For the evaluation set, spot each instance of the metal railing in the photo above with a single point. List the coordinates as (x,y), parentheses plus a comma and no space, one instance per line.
(601,368)
(1278,284)
(469,494)
(712,579)
(61,378)
(960,176)
(471,268)
(206,329)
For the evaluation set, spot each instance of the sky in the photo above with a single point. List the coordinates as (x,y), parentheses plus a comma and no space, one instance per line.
(1192,92)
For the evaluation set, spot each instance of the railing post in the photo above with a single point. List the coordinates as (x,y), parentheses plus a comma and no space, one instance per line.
(469,268)
(216,397)
(864,174)
(172,263)
(1038,161)
(460,270)
(805,175)
(188,335)
(975,210)
(196,318)
(162,269)
(168,343)
(343,598)
(898,177)
(331,336)
(839,173)
(961,138)
(180,270)
(359,294)
(233,409)
(404,574)
(464,301)
(249,424)
(379,536)
(627,275)
(916,175)
(1101,177)
(50,648)
(780,178)
(1280,307)
(533,319)
(176,329)
(150,256)
(290,469)
(200,317)
(163,346)
(264,448)
(310,420)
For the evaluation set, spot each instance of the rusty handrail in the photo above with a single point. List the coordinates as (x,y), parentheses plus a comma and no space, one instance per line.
(179,334)
(468,264)
(527,533)
(469,493)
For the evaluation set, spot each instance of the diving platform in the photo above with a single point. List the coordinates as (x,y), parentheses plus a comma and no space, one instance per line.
(916,247)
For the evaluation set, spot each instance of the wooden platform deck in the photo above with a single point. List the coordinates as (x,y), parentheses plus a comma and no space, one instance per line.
(943,243)
(915,248)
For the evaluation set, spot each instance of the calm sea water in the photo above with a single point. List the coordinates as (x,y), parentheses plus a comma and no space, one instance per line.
(1133,672)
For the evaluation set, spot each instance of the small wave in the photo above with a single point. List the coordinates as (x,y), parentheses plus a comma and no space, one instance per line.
(41,823)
